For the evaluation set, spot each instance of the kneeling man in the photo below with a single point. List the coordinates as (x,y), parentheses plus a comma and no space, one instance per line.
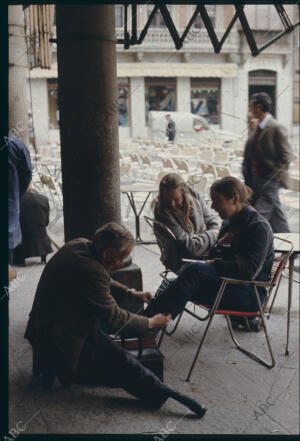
(74,311)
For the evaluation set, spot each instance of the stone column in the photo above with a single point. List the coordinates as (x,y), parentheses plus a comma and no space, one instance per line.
(184,94)
(18,67)
(137,106)
(234,104)
(88,104)
(40,111)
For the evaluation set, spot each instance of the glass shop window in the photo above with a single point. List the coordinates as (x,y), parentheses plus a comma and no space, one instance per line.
(160,95)
(205,100)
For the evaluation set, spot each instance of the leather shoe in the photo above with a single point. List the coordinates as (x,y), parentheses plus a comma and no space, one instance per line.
(195,407)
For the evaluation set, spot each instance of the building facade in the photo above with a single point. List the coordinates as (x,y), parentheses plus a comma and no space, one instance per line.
(155,76)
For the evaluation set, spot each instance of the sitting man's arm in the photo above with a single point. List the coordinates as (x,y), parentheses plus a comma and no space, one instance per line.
(118,291)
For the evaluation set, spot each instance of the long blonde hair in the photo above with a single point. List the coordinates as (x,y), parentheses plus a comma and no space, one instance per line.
(173,181)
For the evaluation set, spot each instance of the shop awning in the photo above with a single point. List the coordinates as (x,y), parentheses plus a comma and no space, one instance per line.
(199,70)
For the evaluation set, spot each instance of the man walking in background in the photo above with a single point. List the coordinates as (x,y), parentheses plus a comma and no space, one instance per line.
(171,129)
(266,162)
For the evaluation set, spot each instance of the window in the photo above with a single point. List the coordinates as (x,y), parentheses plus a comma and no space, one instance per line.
(123,94)
(205,99)
(211,10)
(157,20)
(53,104)
(118,16)
(160,94)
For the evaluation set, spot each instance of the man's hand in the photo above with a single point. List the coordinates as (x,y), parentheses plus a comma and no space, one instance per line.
(159,321)
(145,296)
(228,237)
(209,262)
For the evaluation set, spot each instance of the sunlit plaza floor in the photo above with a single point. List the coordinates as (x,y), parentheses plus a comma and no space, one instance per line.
(242,397)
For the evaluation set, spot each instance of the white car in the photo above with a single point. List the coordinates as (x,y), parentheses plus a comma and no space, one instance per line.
(188,125)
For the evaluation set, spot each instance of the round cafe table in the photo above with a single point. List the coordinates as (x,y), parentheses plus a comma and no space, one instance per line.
(130,190)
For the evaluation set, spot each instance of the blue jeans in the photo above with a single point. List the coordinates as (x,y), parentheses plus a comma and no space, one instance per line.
(199,282)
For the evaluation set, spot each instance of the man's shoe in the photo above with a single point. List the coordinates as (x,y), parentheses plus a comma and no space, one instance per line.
(195,407)
(240,324)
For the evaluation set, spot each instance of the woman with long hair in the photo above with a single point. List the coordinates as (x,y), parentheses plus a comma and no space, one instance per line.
(185,213)
(244,251)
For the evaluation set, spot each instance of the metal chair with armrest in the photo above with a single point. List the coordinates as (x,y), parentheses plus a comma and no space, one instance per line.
(163,233)
(275,277)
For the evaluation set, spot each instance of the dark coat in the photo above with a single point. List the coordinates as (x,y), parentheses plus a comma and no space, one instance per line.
(171,130)
(274,152)
(19,177)
(34,217)
(252,251)
(74,299)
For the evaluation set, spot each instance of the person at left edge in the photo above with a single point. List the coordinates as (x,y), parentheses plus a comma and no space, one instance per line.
(19,180)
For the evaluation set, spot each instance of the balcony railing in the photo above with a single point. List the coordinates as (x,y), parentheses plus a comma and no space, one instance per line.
(197,39)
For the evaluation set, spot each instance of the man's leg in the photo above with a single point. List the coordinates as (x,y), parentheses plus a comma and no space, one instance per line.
(264,190)
(116,367)
(279,221)
(268,204)
(197,281)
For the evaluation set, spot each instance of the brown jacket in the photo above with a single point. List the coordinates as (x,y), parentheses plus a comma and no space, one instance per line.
(274,151)
(74,297)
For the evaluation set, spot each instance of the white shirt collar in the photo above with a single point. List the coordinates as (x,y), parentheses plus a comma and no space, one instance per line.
(263,123)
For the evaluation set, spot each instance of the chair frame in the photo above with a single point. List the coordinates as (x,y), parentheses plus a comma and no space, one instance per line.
(274,283)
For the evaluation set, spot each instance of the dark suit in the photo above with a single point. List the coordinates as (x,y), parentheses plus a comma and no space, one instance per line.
(171,130)
(34,217)
(73,311)
(272,153)
(19,177)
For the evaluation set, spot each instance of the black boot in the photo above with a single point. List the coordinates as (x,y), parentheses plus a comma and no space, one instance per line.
(195,407)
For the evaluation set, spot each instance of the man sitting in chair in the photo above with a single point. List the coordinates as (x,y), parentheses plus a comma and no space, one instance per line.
(185,213)
(74,310)
(244,251)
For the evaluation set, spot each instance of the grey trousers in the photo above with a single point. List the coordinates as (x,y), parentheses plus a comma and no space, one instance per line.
(267,203)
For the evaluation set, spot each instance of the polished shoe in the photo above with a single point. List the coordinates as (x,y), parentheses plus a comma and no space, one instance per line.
(195,407)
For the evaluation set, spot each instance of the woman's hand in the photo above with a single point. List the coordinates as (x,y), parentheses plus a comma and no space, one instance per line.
(159,321)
